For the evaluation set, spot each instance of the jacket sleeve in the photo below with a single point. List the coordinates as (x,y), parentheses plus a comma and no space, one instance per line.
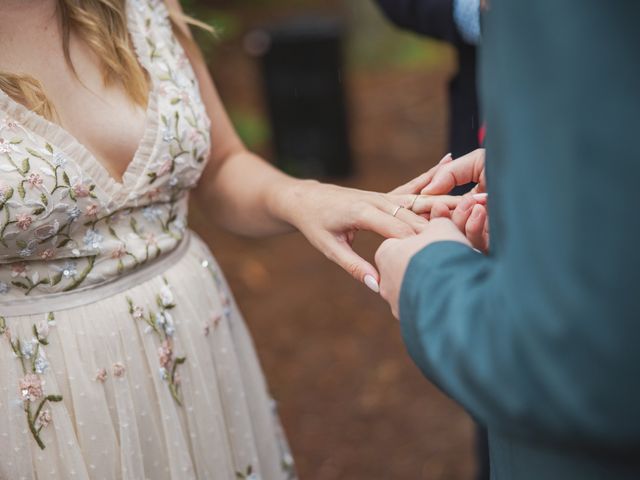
(541,339)
(433,18)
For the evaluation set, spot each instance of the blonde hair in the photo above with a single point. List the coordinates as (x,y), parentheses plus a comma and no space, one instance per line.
(102,24)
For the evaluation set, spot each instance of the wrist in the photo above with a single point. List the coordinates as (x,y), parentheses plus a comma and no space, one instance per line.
(285,198)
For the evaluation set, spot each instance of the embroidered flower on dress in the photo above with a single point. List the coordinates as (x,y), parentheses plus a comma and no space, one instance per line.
(5,147)
(35,180)
(80,190)
(23,220)
(69,269)
(19,269)
(44,419)
(118,369)
(137,312)
(48,254)
(101,375)
(28,348)
(73,212)
(41,364)
(165,353)
(31,387)
(93,239)
(42,329)
(119,252)
(27,250)
(59,159)
(91,210)
(166,296)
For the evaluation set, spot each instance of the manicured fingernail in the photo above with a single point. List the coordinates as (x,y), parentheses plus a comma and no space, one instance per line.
(372,283)
(480,196)
(446,157)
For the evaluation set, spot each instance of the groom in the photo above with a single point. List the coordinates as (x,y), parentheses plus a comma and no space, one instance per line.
(540,339)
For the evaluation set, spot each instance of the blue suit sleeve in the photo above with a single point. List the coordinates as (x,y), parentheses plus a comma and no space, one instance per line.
(542,338)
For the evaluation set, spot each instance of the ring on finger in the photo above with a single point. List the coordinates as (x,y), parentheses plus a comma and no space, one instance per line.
(396,210)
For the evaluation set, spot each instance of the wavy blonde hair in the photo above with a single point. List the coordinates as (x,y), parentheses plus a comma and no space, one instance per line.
(102,24)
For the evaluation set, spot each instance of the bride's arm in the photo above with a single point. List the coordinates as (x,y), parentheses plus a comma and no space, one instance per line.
(248,196)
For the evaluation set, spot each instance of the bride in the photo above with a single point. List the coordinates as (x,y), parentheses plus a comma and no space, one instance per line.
(122,352)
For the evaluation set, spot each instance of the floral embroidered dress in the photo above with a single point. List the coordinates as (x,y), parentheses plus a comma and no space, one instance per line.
(122,353)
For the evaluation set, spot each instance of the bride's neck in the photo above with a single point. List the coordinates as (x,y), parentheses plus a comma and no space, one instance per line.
(18,15)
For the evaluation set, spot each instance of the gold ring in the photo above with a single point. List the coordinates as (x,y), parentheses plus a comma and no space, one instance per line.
(397,209)
(414,202)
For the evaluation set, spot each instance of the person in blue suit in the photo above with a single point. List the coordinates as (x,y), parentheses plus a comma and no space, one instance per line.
(539,339)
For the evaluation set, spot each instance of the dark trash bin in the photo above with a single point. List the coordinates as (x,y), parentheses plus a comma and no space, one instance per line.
(302,69)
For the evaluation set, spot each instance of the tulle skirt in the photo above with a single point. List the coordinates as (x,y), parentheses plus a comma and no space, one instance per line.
(153,376)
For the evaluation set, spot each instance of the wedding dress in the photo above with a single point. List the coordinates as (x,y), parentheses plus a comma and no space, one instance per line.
(122,352)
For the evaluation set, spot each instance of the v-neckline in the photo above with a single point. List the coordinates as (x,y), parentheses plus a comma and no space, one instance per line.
(67,143)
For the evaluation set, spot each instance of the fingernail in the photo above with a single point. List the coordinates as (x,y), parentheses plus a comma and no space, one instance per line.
(446,157)
(372,283)
(480,196)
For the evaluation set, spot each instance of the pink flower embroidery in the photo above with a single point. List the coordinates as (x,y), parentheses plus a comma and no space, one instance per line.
(165,353)
(118,369)
(119,252)
(44,419)
(48,254)
(153,193)
(101,375)
(23,220)
(91,210)
(19,269)
(31,387)
(5,147)
(35,180)
(81,190)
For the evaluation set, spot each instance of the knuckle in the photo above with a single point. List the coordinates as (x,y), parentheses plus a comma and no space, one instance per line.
(353,269)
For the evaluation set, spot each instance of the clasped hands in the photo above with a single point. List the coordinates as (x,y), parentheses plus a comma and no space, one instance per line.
(467,223)
(410,217)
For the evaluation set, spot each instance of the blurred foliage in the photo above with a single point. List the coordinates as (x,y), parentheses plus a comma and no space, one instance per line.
(371,42)
(374,43)
(252,127)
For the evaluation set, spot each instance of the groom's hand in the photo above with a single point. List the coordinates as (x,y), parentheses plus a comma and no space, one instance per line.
(393,256)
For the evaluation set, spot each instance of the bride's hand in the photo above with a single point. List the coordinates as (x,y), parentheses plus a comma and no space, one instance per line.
(329,216)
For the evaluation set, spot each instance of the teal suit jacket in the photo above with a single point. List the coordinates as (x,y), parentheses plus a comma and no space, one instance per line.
(540,340)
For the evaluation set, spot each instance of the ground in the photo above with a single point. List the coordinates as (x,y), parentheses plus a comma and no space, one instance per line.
(352,403)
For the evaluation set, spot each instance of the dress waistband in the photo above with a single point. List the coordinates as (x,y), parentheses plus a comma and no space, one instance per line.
(83,296)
